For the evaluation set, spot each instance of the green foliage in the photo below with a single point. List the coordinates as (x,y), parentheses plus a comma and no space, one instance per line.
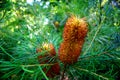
(24,27)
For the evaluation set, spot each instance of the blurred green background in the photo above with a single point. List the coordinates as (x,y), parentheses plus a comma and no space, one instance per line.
(27,24)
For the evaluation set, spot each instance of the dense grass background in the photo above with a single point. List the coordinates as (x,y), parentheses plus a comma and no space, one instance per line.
(24,27)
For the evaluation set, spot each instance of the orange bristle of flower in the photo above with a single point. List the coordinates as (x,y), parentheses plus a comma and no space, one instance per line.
(38,50)
(75,29)
(69,52)
(52,50)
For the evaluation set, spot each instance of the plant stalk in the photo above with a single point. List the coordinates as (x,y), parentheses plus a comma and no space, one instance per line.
(64,72)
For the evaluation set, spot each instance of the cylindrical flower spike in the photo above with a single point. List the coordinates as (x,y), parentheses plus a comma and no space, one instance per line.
(69,52)
(75,31)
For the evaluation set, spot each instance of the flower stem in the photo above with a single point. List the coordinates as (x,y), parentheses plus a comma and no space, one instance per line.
(64,72)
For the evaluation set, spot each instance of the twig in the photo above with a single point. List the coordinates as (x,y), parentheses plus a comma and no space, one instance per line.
(37,65)
(14,65)
(64,72)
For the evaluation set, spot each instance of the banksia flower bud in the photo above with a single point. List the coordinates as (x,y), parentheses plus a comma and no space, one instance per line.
(55,68)
(56,23)
(52,50)
(49,47)
(75,31)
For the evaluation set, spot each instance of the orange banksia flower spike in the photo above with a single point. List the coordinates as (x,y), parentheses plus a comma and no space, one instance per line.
(75,31)
(69,52)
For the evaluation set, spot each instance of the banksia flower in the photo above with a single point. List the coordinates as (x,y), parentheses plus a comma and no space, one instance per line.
(55,68)
(69,52)
(49,47)
(52,50)
(75,31)
(56,23)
